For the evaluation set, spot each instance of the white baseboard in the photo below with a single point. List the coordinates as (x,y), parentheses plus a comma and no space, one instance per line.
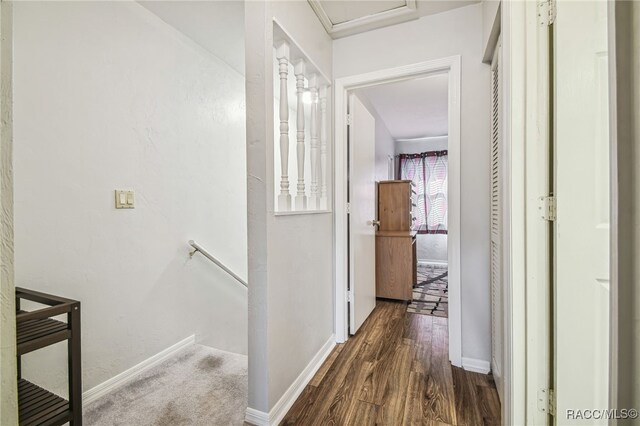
(432,262)
(127,376)
(282,407)
(476,365)
(255,417)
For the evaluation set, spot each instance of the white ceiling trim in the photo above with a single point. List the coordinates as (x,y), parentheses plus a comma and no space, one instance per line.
(365,23)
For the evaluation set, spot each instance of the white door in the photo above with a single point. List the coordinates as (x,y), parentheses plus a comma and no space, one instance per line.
(582,225)
(362,200)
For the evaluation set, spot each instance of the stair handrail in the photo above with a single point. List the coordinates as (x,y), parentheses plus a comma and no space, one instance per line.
(205,253)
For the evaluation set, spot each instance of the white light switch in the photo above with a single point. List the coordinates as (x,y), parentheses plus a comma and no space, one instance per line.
(124,199)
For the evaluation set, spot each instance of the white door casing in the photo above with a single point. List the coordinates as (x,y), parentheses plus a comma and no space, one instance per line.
(582,226)
(342,86)
(362,199)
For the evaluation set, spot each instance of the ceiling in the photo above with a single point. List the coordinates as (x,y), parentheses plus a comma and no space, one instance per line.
(343,11)
(342,18)
(217,26)
(411,109)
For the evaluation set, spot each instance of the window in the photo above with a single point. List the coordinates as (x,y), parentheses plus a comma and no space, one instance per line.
(428,171)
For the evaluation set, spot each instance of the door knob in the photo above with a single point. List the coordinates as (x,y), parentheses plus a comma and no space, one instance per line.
(375,223)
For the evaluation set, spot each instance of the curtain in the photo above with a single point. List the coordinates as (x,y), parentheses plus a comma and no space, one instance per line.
(428,172)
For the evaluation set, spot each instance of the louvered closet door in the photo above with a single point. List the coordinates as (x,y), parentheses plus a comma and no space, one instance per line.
(496,221)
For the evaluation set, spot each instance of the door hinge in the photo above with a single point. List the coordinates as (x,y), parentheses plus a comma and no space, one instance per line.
(350,296)
(547,401)
(349,119)
(546,12)
(548,208)
(348,208)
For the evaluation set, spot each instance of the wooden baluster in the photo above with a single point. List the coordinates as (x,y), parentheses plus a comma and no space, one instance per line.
(323,148)
(314,199)
(301,197)
(284,198)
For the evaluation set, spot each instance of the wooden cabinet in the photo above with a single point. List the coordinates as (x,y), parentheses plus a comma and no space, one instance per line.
(396,264)
(395,205)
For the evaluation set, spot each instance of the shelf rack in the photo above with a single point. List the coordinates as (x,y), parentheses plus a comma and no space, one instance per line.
(36,330)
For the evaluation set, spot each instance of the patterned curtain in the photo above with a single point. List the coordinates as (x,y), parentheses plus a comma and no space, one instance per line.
(428,171)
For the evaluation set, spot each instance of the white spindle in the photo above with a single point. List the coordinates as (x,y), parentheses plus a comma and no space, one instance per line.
(284,198)
(314,199)
(323,147)
(301,198)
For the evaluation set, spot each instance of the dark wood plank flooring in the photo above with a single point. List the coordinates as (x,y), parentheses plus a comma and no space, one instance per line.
(395,371)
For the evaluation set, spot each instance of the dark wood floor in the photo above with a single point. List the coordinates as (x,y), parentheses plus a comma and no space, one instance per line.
(395,371)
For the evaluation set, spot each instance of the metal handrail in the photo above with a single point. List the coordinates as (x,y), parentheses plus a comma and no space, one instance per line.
(197,248)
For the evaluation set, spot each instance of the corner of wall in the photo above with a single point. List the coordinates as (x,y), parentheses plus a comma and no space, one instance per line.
(490,28)
(257,78)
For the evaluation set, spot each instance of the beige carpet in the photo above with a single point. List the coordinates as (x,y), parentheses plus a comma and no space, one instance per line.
(200,386)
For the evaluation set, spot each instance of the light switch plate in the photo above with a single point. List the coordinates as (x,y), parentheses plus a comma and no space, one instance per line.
(124,199)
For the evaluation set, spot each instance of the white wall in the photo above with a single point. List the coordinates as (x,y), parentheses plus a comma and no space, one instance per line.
(457,32)
(290,257)
(8,397)
(431,248)
(384,150)
(385,145)
(490,27)
(108,96)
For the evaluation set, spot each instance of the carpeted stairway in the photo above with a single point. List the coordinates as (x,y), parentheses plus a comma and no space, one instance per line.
(200,386)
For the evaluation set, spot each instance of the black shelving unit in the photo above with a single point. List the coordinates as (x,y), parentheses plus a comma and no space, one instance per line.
(35,330)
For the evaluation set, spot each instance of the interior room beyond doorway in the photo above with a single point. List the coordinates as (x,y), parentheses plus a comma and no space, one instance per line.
(411,142)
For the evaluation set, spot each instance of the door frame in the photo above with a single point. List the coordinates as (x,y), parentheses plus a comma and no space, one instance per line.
(450,66)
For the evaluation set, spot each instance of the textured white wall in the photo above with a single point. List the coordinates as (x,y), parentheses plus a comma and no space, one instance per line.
(290,257)
(431,247)
(8,397)
(300,247)
(457,32)
(108,96)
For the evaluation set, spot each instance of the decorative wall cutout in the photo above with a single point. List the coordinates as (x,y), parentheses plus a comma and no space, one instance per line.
(300,95)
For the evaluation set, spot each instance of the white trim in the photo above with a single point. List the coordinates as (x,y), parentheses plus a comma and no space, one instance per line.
(526,363)
(423,139)
(282,407)
(531,236)
(365,23)
(129,375)
(432,262)
(297,213)
(256,417)
(450,65)
(476,365)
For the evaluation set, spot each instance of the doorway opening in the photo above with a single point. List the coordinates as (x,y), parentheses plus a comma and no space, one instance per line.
(411,133)
(354,94)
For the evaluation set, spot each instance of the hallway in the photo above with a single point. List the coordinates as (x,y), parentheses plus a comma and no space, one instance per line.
(395,371)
